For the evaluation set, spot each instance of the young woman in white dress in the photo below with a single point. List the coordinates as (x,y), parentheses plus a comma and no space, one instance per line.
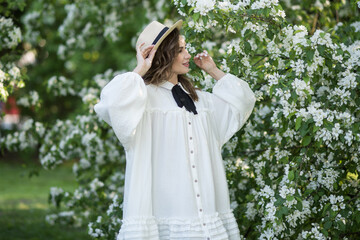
(175,182)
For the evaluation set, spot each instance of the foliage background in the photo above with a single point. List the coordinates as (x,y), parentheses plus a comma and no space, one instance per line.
(292,170)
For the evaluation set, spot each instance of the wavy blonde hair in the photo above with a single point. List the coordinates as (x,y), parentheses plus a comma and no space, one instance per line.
(161,67)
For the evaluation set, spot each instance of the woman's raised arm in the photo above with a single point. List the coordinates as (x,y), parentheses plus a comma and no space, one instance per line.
(206,63)
(122,105)
(144,59)
(232,99)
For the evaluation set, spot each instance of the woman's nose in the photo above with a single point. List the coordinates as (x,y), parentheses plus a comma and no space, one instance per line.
(187,56)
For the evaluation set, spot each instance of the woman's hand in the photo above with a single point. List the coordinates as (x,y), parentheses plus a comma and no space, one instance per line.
(206,63)
(144,59)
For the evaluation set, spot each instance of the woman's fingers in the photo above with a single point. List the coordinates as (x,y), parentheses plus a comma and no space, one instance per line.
(147,50)
(152,54)
(144,58)
(204,61)
(138,49)
(202,55)
(144,53)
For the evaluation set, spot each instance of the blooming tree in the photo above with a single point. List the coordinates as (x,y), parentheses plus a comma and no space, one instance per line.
(292,170)
(10,37)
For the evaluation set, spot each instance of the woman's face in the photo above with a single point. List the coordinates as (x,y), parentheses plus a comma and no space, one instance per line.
(181,63)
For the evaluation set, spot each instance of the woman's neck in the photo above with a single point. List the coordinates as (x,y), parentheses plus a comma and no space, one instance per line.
(174,79)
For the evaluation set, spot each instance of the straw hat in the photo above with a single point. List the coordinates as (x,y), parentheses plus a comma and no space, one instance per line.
(155,33)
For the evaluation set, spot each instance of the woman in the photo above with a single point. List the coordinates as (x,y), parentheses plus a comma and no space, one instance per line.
(175,183)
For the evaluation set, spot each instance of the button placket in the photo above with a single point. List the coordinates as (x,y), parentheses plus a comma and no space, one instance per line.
(193,165)
(195,175)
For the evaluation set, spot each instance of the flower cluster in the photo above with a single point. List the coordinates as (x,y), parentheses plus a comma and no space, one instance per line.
(31,100)
(10,78)
(10,35)
(61,86)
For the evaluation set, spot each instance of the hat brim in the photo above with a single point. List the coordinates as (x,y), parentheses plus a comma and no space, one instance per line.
(177,25)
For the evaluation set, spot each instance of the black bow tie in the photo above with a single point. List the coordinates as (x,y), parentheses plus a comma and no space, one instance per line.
(183,99)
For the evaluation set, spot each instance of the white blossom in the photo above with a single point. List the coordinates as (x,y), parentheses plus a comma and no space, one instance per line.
(356,25)
(202,6)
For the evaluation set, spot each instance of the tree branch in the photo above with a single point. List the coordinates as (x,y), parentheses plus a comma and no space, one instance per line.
(258,61)
(314,23)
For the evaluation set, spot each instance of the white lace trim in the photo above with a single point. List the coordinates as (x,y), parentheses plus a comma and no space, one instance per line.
(219,226)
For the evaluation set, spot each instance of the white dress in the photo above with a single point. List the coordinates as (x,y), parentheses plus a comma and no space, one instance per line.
(175,182)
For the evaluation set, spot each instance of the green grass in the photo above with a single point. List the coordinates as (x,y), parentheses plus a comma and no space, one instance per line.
(24,202)
(29,224)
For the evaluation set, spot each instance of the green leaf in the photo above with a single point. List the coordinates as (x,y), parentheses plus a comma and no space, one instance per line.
(297,31)
(308,192)
(299,205)
(290,115)
(292,54)
(315,128)
(328,225)
(310,55)
(306,140)
(196,17)
(298,159)
(267,12)
(270,34)
(290,198)
(304,129)
(285,210)
(332,213)
(291,175)
(284,160)
(328,63)
(328,125)
(279,202)
(341,225)
(321,49)
(247,47)
(339,51)
(248,32)
(282,211)
(325,232)
(306,79)
(205,20)
(271,90)
(298,123)
(358,218)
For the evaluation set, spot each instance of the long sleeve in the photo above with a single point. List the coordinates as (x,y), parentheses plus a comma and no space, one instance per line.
(122,104)
(233,102)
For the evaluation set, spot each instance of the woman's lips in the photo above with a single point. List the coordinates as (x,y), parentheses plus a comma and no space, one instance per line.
(186,64)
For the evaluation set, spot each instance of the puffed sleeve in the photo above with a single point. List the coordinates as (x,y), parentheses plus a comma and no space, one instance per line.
(233,102)
(122,104)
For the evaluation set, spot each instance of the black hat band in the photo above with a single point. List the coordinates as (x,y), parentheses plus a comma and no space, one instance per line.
(160,35)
